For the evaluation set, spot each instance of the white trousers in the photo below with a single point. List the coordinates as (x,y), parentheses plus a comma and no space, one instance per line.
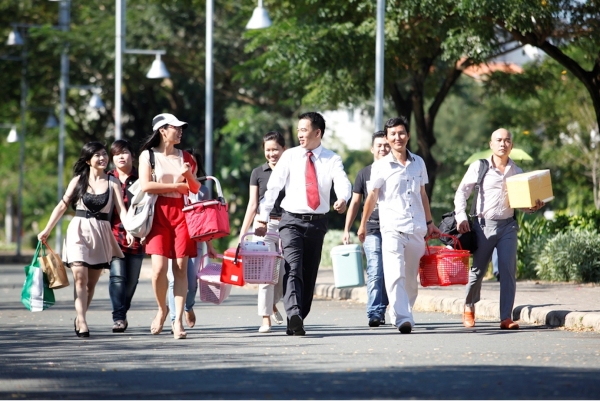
(269,294)
(401,254)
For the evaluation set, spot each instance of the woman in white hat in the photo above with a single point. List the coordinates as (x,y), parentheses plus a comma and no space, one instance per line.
(169,237)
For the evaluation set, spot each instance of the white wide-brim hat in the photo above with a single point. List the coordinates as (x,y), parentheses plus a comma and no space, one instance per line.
(166,118)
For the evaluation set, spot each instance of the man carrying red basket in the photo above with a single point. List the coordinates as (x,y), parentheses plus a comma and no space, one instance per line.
(398,182)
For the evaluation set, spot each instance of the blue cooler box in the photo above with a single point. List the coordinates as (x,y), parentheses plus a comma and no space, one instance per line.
(347,266)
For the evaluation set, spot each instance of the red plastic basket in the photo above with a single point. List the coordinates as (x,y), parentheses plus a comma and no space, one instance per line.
(233,267)
(261,267)
(211,288)
(441,266)
(207,220)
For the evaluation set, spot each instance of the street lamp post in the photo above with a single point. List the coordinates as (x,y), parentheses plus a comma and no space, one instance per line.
(64,20)
(260,19)
(208,108)
(379,61)
(157,71)
(15,39)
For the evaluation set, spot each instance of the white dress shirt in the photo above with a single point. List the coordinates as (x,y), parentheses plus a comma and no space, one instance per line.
(289,173)
(400,203)
(492,201)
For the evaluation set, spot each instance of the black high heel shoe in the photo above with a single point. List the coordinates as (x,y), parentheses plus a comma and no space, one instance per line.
(80,333)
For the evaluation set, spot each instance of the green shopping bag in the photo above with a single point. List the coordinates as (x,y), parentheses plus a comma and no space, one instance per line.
(36,294)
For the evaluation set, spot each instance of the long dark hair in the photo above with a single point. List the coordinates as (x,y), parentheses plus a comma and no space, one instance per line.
(199,162)
(82,169)
(153,140)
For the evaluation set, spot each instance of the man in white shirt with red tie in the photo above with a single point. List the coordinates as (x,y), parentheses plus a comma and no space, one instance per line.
(307,173)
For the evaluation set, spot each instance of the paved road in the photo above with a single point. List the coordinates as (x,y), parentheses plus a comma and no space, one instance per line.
(224,357)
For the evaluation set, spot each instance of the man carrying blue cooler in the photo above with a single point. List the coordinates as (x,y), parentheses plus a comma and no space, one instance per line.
(377,299)
(398,186)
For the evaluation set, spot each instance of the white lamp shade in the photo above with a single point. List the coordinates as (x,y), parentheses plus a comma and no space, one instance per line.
(96,102)
(51,122)
(260,19)
(12,136)
(158,69)
(14,39)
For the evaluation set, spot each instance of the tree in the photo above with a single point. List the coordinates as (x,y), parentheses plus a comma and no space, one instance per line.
(323,53)
(553,26)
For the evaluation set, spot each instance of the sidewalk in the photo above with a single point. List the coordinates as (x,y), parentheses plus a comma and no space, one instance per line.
(574,306)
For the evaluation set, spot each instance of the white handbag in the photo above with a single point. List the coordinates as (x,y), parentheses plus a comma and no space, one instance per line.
(140,214)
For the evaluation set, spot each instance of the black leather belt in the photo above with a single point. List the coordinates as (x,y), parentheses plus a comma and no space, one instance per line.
(88,215)
(307,217)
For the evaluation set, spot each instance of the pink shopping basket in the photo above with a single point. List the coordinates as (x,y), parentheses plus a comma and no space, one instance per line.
(207,220)
(261,266)
(211,288)
(442,266)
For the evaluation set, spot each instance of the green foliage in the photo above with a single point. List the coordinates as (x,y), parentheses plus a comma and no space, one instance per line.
(536,233)
(573,255)
(532,235)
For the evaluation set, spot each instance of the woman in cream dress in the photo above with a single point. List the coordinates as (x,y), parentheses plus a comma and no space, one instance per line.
(89,244)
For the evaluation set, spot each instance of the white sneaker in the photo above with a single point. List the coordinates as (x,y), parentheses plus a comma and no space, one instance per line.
(277,317)
(264,329)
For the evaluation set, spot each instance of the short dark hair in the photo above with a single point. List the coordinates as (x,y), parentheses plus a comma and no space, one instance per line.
(396,121)
(119,146)
(274,136)
(378,134)
(316,120)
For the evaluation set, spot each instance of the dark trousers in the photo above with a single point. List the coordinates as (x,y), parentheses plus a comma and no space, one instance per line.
(302,245)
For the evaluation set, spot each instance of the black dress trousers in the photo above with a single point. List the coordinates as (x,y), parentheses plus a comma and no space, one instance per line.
(302,245)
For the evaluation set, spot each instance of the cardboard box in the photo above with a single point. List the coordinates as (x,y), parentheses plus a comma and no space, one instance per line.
(524,189)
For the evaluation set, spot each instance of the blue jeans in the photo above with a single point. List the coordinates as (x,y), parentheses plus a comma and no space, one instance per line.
(124,276)
(377,299)
(192,272)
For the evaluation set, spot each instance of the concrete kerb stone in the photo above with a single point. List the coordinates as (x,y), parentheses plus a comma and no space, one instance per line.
(484,309)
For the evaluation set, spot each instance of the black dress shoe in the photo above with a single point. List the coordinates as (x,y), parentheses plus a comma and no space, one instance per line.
(296,325)
(374,322)
(83,334)
(289,332)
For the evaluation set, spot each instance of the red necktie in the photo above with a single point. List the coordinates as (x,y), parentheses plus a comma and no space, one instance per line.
(312,188)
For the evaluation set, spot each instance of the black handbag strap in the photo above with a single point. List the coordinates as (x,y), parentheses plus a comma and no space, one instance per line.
(483,169)
(151,154)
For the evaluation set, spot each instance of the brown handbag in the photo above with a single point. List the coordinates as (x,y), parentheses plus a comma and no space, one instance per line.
(54,268)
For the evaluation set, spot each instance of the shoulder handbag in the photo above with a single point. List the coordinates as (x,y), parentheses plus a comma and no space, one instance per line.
(468,240)
(54,268)
(140,214)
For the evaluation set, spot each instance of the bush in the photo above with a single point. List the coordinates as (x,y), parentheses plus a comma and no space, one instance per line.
(572,255)
(532,235)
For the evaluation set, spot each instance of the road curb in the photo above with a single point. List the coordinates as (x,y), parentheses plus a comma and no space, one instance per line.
(489,310)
